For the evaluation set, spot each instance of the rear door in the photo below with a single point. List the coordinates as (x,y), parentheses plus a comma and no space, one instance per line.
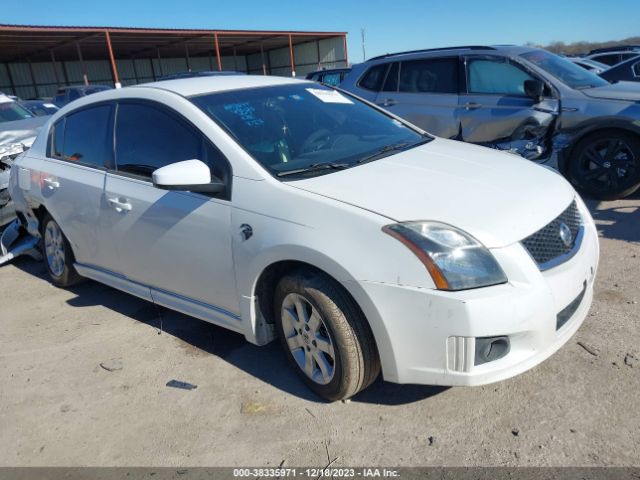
(178,243)
(424,92)
(72,181)
(495,110)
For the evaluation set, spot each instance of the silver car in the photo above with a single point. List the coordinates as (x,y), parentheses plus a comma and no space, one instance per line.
(524,100)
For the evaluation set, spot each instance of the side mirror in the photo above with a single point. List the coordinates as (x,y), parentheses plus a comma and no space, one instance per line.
(534,89)
(188,175)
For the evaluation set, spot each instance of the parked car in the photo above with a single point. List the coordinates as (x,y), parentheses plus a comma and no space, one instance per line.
(332,76)
(588,64)
(278,207)
(627,71)
(614,55)
(525,100)
(39,108)
(18,130)
(65,95)
(206,73)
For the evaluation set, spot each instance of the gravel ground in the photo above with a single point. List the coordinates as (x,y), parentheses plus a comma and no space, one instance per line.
(83,376)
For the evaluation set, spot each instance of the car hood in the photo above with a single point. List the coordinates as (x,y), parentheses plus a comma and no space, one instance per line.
(497,197)
(21,131)
(629,91)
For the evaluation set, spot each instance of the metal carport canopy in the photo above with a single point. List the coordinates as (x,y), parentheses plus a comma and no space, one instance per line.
(31,43)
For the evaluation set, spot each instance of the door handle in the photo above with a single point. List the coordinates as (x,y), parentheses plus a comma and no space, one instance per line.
(51,183)
(471,106)
(119,205)
(389,102)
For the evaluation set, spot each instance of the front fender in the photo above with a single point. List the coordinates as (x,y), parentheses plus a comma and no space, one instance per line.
(259,332)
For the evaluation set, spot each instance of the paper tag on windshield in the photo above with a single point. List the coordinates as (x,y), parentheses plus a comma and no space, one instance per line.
(49,105)
(329,96)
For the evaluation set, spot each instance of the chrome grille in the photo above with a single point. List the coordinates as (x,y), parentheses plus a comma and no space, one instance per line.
(546,246)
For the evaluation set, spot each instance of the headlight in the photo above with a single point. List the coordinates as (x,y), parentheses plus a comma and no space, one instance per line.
(454,259)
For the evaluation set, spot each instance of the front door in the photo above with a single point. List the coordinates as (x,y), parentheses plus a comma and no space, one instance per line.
(495,111)
(178,243)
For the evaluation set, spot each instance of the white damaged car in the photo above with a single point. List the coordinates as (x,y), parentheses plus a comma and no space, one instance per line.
(280,208)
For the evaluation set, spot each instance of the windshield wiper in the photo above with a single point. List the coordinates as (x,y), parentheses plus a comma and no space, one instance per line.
(388,149)
(315,167)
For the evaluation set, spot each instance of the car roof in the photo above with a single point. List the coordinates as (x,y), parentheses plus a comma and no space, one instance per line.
(615,49)
(210,84)
(504,49)
(84,87)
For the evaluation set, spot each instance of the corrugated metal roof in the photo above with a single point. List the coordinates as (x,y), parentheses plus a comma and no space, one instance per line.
(37,43)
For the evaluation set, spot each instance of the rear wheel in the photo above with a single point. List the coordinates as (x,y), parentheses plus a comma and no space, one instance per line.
(325,336)
(606,165)
(57,253)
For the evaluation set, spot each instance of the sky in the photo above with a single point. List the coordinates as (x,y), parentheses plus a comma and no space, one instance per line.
(389,26)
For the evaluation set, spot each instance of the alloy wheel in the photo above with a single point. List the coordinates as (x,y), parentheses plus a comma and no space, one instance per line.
(54,248)
(308,339)
(607,163)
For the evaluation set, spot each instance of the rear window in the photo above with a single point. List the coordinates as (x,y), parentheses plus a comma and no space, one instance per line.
(391,83)
(373,78)
(10,111)
(439,75)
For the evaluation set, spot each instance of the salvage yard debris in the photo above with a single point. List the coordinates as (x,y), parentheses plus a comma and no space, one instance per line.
(589,349)
(112,365)
(181,385)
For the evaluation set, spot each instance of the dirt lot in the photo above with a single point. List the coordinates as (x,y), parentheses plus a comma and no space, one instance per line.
(59,406)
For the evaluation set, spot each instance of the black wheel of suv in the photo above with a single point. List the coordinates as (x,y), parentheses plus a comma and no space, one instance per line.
(325,335)
(606,165)
(57,253)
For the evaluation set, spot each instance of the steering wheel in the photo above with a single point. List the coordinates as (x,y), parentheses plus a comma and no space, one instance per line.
(315,141)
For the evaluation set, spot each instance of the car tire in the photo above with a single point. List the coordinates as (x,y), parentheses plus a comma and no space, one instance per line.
(325,335)
(57,253)
(606,165)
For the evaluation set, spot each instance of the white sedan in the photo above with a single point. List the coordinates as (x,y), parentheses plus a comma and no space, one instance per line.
(281,208)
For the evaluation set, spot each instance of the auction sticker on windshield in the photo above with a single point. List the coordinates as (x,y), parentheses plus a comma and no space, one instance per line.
(329,96)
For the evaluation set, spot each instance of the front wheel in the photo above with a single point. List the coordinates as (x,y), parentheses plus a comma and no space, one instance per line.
(325,335)
(606,165)
(57,253)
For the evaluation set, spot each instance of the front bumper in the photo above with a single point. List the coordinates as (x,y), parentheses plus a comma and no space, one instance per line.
(432,334)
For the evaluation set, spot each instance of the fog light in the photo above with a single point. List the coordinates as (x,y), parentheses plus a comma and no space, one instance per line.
(489,349)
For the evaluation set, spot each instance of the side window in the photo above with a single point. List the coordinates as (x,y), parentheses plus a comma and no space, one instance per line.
(391,83)
(609,59)
(148,138)
(627,56)
(496,77)
(439,75)
(74,94)
(87,137)
(373,78)
(332,79)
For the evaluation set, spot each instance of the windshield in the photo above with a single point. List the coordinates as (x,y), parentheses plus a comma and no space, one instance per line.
(564,70)
(297,128)
(10,111)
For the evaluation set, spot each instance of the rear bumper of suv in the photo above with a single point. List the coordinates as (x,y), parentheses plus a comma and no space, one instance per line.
(433,335)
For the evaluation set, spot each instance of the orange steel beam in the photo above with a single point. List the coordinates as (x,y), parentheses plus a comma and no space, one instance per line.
(112,58)
(215,36)
(293,66)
